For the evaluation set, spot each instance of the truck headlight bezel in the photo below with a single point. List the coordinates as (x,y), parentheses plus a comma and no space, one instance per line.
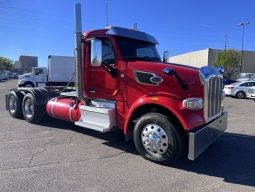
(194,103)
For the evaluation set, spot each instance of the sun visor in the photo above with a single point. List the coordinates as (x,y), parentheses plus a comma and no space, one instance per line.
(129,33)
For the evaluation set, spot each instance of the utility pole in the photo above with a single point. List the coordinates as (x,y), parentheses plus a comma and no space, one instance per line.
(106,11)
(242,24)
(226,40)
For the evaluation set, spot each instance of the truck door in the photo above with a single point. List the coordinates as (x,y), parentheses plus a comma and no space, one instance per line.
(39,75)
(101,74)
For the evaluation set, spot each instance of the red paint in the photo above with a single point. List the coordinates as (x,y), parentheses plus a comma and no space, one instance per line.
(64,108)
(130,94)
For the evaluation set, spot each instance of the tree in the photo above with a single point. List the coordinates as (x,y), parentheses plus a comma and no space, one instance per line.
(228,59)
(5,64)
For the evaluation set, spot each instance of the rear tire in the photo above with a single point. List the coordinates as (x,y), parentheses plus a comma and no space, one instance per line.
(157,139)
(240,95)
(31,111)
(15,104)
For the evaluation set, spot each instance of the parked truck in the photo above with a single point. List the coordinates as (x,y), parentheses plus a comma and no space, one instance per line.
(121,83)
(60,72)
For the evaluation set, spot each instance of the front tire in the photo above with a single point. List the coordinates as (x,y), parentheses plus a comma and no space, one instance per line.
(157,139)
(15,104)
(31,111)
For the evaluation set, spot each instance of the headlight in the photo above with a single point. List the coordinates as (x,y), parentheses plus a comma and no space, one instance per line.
(193,103)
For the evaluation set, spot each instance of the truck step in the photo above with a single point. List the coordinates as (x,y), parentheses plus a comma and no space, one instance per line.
(100,118)
(92,126)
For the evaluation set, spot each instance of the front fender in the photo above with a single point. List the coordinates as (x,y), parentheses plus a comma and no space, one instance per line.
(23,81)
(189,119)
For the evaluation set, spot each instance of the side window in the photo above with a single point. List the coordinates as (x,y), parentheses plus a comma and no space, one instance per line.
(38,71)
(107,52)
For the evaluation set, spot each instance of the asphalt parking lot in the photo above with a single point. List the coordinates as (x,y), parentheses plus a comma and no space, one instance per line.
(58,156)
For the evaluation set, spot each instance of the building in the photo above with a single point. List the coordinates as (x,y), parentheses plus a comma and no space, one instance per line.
(27,62)
(207,57)
(17,65)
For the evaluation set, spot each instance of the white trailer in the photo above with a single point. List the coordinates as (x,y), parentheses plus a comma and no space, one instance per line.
(60,72)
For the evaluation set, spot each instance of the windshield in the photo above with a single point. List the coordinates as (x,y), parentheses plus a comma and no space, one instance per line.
(132,49)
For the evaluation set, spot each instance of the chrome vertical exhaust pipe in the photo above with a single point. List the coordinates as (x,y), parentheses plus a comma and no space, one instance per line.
(78,50)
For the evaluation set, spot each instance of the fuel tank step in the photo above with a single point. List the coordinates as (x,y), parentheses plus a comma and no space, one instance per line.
(100,116)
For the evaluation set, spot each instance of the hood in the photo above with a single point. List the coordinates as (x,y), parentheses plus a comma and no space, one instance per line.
(25,76)
(189,76)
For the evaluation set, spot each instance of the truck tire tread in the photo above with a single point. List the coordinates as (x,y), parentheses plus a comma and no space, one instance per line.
(18,96)
(176,138)
(36,112)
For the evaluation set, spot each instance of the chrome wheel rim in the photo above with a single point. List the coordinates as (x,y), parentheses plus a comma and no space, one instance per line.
(12,104)
(29,108)
(154,139)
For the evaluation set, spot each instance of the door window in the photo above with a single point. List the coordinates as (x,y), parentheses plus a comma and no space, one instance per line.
(38,71)
(107,52)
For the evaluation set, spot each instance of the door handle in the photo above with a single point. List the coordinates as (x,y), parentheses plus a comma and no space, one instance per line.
(92,90)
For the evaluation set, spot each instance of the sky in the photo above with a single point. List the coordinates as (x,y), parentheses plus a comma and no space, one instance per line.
(46,27)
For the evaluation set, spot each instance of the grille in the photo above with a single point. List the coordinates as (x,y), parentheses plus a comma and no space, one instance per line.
(214,96)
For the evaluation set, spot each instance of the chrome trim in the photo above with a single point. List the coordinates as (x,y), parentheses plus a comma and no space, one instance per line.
(28,108)
(154,139)
(153,75)
(52,107)
(184,103)
(201,139)
(157,82)
(211,78)
(70,114)
(12,104)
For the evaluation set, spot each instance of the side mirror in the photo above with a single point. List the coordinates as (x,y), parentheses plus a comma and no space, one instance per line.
(96,52)
(165,56)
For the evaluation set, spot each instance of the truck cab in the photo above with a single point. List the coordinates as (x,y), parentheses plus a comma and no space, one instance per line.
(37,77)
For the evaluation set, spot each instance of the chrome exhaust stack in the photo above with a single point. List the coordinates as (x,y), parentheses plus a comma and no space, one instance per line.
(78,50)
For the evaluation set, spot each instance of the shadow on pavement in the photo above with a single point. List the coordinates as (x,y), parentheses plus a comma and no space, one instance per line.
(231,158)
(115,139)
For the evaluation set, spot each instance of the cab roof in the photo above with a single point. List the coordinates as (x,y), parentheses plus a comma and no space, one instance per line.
(124,32)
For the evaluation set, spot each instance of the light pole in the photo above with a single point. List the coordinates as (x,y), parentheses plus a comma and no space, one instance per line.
(242,24)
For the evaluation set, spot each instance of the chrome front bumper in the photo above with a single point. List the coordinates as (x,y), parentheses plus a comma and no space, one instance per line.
(200,139)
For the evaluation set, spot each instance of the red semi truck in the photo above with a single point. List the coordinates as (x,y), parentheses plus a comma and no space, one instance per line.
(122,83)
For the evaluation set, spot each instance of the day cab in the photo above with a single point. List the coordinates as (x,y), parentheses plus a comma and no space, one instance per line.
(167,109)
